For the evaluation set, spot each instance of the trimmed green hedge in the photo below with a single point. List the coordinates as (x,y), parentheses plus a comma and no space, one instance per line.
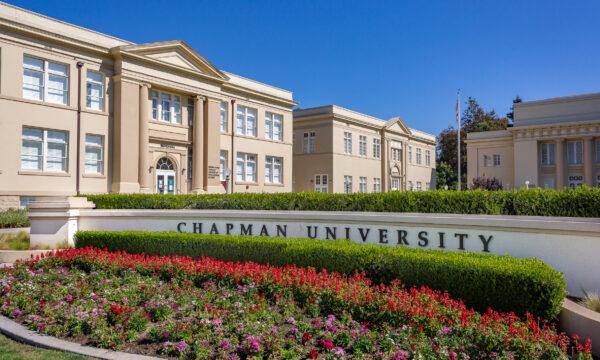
(503,283)
(581,202)
(14,218)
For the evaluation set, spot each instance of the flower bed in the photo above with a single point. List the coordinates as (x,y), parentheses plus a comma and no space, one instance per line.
(205,308)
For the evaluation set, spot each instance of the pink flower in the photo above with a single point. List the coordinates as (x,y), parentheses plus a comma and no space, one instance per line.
(327,344)
(452,355)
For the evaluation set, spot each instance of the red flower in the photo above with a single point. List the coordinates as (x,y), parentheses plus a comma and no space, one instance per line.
(314,354)
(306,337)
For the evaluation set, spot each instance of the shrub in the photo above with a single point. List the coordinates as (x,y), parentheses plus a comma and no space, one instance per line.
(486,184)
(501,282)
(580,202)
(14,218)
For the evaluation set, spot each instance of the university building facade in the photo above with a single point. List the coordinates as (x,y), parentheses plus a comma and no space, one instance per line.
(83,112)
(343,151)
(553,143)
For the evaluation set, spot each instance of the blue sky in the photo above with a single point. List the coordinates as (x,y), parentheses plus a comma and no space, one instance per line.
(382,58)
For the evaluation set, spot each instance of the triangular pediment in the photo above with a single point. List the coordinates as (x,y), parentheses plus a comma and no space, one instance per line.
(397,124)
(176,53)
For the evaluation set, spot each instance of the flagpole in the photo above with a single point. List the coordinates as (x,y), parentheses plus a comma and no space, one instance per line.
(458,135)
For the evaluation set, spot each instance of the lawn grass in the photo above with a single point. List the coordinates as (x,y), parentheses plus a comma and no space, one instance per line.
(10,350)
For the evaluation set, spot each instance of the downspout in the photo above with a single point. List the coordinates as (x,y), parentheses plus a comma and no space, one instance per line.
(231,176)
(78,152)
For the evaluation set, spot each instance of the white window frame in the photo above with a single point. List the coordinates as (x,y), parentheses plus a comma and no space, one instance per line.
(377,148)
(486,161)
(244,159)
(46,73)
(410,154)
(347,142)
(575,152)
(496,160)
(321,183)
(428,157)
(223,161)
(243,116)
(547,154)
(190,163)
(271,163)
(99,163)
(223,116)
(273,121)
(419,156)
(376,185)
(362,184)
(396,154)
(348,184)
(44,141)
(419,186)
(395,183)
(362,145)
(170,116)
(308,142)
(89,84)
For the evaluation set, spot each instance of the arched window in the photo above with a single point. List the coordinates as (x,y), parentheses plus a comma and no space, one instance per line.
(164,164)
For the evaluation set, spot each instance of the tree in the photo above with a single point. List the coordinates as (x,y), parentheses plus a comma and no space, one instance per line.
(476,119)
(511,115)
(447,154)
(445,176)
(486,184)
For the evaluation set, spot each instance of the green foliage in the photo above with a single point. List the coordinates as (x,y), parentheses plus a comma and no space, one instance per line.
(580,202)
(13,218)
(18,241)
(503,283)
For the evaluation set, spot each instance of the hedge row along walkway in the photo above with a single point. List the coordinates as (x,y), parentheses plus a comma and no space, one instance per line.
(580,202)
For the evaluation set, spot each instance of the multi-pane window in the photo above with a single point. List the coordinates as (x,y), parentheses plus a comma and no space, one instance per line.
(223,165)
(321,183)
(273,126)
(166,107)
(428,157)
(419,158)
(362,184)
(44,150)
(246,167)
(362,145)
(496,159)
(575,152)
(190,163)
(377,148)
(273,170)
(348,184)
(547,154)
(347,142)
(410,154)
(486,160)
(45,80)
(376,185)
(95,90)
(94,154)
(246,121)
(308,142)
(223,114)
(410,186)
(419,186)
(190,112)
(396,154)
(598,151)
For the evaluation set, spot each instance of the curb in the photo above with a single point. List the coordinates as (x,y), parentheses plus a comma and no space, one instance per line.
(20,333)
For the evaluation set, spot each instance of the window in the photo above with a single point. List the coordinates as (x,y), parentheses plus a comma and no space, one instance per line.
(246,167)
(273,126)
(223,114)
(166,107)
(362,145)
(396,154)
(24,201)
(428,157)
(395,183)
(547,157)
(419,158)
(94,154)
(419,186)
(190,163)
(598,151)
(45,81)
(190,112)
(486,160)
(410,154)
(308,142)
(496,159)
(347,142)
(376,148)
(95,90)
(246,121)
(362,185)
(348,184)
(410,186)
(376,185)
(321,183)
(223,165)
(273,170)
(575,152)
(44,150)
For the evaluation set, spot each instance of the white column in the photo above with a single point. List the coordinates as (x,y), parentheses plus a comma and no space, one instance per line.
(198,146)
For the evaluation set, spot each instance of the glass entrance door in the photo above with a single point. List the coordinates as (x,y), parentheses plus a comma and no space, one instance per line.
(395,183)
(165,182)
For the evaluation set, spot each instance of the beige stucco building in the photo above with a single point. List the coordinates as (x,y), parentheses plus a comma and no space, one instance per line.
(84,112)
(554,143)
(340,150)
